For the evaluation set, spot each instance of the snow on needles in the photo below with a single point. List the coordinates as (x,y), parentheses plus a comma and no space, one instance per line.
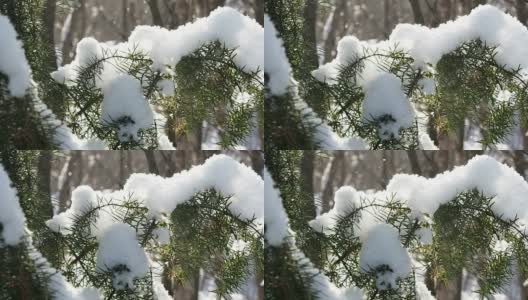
(13,61)
(427,45)
(12,218)
(483,173)
(219,172)
(277,66)
(383,253)
(486,22)
(425,195)
(83,200)
(161,195)
(384,96)
(276,217)
(120,253)
(166,47)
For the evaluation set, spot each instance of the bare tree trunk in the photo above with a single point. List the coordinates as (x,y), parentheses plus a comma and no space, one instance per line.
(450,291)
(386,18)
(259,11)
(417,12)
(155,11)
(124,7)
(328,190)
(44,182)
(415,164)
(67,46)
(522,11)
(257,161)
(48,32)
(74,168)
(151,161)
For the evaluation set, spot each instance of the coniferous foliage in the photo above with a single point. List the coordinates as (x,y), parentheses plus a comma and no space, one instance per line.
(163,96)
(476,230)
(403,93)
(112,245)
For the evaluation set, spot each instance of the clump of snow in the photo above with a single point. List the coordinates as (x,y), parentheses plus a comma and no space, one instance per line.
(219,172)
(277,65)
(383,253)
(346,199)
(425,235)
(483,173)
(13,61)
(166,87)
(120,253)
(276,218)
(12,220)
(83,200)
(124,100)
(349,49)
(384,97)
(162,234)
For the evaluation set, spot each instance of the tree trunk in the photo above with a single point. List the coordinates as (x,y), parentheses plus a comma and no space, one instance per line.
(415,164)
(151,161)
(417,12)
(48,30)
(155,11)
(259,11)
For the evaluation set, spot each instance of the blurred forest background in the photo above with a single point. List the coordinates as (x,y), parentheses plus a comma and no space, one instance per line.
(322,173)
(60,172)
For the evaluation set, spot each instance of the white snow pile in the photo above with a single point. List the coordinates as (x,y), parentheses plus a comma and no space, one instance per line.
(383,97)
(220,172)
(123,98)
(425,195)
(349,49)
(277,65)
(12,218)
(383,253)
(486,22)
(346,200)
(427,45)
(13,61)
(120,253)
(483,173)
(161,195)
(167,47)
(276,218)
(83,200)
